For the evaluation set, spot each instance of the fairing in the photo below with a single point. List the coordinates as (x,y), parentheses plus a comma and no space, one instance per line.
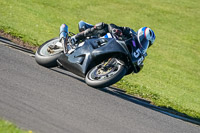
(89,54)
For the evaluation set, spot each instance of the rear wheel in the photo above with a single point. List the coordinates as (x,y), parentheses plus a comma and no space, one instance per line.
(45,57)
(106,73)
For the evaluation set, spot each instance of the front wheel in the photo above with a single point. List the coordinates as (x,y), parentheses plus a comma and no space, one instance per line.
(44,57)
(106,73)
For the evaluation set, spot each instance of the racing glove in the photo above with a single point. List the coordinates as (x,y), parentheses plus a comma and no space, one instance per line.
(117,32)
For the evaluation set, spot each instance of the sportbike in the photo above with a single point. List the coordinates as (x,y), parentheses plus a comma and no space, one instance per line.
(101,61)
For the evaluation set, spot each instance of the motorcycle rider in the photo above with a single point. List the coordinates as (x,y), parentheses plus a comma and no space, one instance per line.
(121,33)
(143,38)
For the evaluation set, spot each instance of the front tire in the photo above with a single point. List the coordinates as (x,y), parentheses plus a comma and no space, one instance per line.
(98,79)
(46,59)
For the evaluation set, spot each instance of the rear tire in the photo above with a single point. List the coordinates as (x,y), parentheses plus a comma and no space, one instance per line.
(46,59)
(107,79)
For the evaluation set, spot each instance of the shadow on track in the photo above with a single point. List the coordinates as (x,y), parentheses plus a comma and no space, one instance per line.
(63,71)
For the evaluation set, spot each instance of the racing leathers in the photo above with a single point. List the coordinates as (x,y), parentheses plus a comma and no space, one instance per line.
(102,29)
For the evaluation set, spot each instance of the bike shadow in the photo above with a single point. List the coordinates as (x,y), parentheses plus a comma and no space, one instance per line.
(65,72)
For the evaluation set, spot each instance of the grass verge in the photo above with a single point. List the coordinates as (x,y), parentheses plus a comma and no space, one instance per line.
(7,127)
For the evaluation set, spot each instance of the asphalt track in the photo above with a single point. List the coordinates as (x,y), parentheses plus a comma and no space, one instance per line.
(56,101)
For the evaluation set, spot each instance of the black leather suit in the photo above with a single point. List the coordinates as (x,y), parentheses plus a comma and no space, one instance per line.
(102,29)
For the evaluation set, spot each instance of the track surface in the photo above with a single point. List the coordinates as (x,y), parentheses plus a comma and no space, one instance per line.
(55,101)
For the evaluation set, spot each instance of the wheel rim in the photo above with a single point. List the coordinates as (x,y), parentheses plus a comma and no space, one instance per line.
(44,51)
(100,73)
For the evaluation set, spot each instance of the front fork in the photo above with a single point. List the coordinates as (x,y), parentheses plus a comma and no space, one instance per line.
(110,61)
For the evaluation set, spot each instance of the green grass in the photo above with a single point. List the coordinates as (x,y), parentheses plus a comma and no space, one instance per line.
(171,75)
(7,127)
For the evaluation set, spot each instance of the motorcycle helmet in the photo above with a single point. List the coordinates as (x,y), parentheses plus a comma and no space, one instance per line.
(146,38)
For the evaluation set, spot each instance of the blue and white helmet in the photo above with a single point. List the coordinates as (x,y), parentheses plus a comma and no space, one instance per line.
(146,37)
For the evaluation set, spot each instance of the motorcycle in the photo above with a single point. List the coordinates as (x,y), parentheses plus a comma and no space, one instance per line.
(102,61)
